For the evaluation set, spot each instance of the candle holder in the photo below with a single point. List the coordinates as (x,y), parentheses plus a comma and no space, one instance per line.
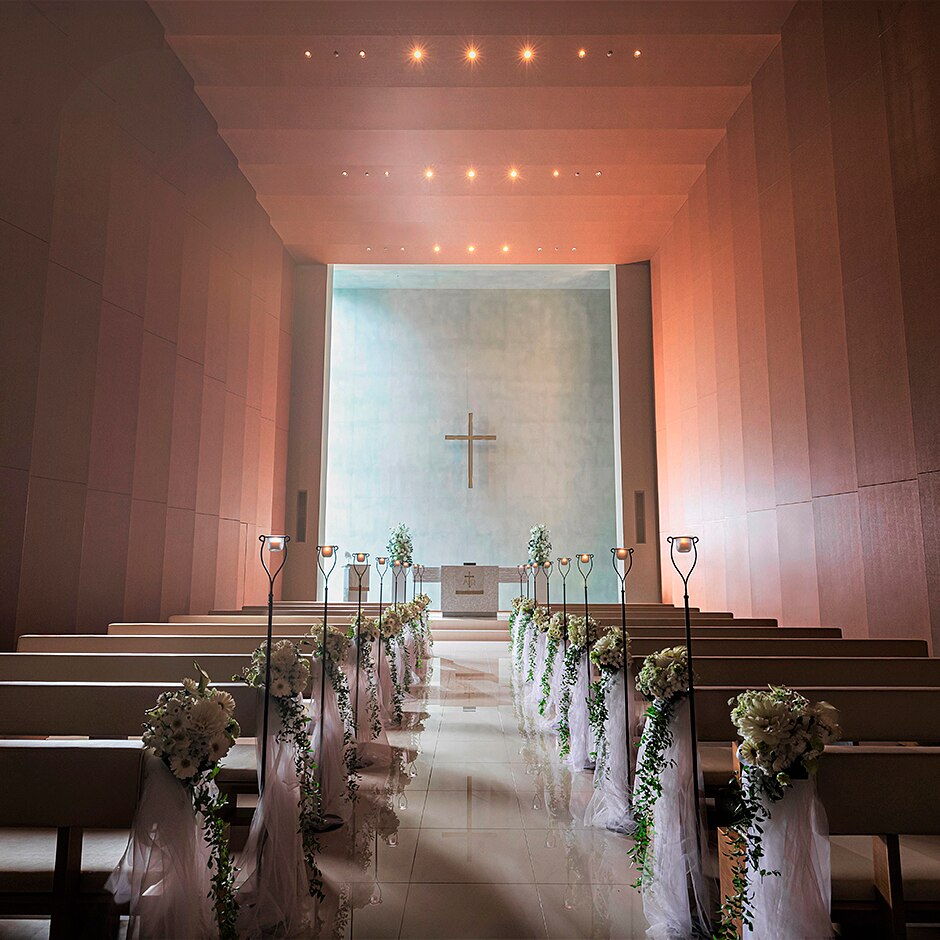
(564,566)
(273,543)
(381,566)
(625,557)
(362,563)
(585,567)
(547,574)
(396,574)
(520,570)
(326,562)
(688,545)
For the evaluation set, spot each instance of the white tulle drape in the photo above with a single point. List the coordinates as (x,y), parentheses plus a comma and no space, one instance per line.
(386,690)
(331,763)
(609,807)
(368,744)
(274,894)
(794,903)
(548,720)
(528,638)
(579,728)
(678,883)
(164,874)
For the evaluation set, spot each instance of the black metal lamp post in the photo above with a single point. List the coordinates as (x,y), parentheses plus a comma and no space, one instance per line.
(273,543)
(587,558)
(625,557)
(362,563)
(547,572)
(520,569)
(326,562)
(564,565)
(396,574)
(688,545)
(381,566)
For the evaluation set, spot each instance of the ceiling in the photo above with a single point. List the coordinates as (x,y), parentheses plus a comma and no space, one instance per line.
(338,145)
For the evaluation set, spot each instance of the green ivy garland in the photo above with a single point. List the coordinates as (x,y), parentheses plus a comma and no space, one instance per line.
(647,784)
(368,666)
(569,677)
(397,696)
(533,655)
(597,714)
(341,687)
(521,629)
(551,651)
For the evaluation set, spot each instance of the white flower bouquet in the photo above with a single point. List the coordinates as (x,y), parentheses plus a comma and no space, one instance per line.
(541,619)
(192,729)
(400,547)
(337,642)
(368,628)
(607,652)
(409,612)
(540,544)
(423,602)
(391,623)
(664,675)
(290,672)
(578,631)
(782,731)
(556,626)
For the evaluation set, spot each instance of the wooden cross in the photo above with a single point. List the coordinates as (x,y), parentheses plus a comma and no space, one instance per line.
(470,437)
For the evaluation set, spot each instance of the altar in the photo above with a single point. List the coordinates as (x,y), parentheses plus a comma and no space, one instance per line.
(469,590)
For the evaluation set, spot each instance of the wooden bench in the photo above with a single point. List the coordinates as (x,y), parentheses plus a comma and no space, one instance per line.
(734,646)
(52,793)
(116,667)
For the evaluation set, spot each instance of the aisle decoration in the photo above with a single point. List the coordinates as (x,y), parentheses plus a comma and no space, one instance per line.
(280,874)
(556,627)
(526,610)
(610,707)
(540,544)
(368,632)
(337,647)
(391,631)
(540,622)
(399,546)
(177,874)
(780,852)
(573,728)
(667,850)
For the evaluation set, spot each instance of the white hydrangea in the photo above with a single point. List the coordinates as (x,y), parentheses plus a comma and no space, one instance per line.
(664,675)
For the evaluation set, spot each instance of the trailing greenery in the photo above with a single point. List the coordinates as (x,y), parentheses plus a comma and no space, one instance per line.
(597,715)
(551,651)
(569,677)
(397,695)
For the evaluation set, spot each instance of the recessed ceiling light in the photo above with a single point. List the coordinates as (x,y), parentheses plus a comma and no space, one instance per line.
(429,173)
(417,53)
(336,53)
(597,172)
(556,248)
(582,53)
(637,53)
(386,172)
(362,53)
(471,248)
(513,173)
(368,248)
(437,249)
(505,248)
(527,53)
(610,53)
(345,173)
(367,172)
(308,54)
(403,248)
(573,249)
(538,249)
(556,173)
(471,173)
(472,53)
(577,172)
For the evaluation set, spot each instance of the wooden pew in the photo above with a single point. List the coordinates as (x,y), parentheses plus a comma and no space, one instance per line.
(287,630)
(116,667)
(819,648)
(69,787)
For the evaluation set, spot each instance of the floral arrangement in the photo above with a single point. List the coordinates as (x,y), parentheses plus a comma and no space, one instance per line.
(337,642)
(423,602)
(526,609)
(540,620)
(663,681)
(391,628)
(783,735)
(410,612)
(368,628)
(578,630)
(556,627)
(290,675)
(608,653)
(191,730)
(400,547)
(392,624)
(540,544)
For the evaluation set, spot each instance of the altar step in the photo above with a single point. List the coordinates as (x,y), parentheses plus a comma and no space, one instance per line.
(464,629)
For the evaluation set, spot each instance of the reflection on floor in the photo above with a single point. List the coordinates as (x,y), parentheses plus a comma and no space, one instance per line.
(489,840)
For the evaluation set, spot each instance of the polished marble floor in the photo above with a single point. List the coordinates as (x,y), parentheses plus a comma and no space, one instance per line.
(489,840)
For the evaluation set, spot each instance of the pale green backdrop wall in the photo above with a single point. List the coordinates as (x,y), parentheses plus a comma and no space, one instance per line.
(535,368)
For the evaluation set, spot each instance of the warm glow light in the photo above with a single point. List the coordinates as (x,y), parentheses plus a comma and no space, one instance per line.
(471,248)
(428,173)
(345,173)
(585,559)
(505,249)
(513,173)
(472,54)
(582,53)
(564,562)
(360,556)
(417,53)
(539,248)
(471,173)
(386,172)
(276,543)
(308,54)
(527,53)
(556,173)
(326,551)
(622,553)
(597,172)
(684,544)
(362,53)
(437,249)
(381,560)
(368,248)
(637,53)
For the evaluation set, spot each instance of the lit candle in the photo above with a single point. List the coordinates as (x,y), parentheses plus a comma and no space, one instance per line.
(585,559)
(326,551)
(360,556)
(622,553)
(397,562)
(546,564)
(382,560)
(564,562)
(275,543)
(684,544)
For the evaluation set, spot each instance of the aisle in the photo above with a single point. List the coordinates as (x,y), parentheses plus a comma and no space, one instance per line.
(490,843)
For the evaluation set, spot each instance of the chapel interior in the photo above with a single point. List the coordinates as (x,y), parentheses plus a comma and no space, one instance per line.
(357,354)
